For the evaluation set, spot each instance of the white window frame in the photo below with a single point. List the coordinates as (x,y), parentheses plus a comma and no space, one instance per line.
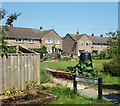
(30,40)
(48,41)
(19,40)
(57,42)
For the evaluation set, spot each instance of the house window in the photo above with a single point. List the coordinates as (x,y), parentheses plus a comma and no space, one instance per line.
(87,44)
(30,41)
(49,50)
(48,41)
(82,44)
(19,40)
(101,45)
(57,41)
(96,45)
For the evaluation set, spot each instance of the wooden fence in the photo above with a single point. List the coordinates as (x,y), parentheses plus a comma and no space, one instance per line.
(16,69)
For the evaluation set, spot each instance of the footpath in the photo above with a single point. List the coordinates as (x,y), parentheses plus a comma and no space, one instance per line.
(85,90)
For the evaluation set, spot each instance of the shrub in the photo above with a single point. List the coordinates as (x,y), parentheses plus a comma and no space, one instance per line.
(112,67)
(84,69)
(66,58)
(44,76)
(46,56)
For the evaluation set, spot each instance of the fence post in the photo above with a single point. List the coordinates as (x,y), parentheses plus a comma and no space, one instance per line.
(99,88)
(74,84)
(38,68)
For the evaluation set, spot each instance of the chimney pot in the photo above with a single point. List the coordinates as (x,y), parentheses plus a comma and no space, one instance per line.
(101,35)
(11,25)
(92,34)
(77,32)
(41,27)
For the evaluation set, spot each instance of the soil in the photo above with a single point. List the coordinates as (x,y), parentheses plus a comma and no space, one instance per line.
(38,98)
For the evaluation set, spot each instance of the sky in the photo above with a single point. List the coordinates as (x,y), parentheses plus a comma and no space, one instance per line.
(66,17)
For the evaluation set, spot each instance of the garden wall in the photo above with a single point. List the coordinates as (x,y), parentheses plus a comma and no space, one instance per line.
(16,69)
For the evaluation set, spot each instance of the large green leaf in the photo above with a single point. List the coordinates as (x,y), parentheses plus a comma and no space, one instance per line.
(88,68)
(87,62)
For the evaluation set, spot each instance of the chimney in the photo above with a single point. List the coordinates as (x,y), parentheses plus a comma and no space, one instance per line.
(11,25)
(101,35)
(41,28)
(77,32)
(92,34)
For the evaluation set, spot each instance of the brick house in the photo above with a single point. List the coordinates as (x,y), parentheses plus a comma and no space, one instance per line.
(33,38)
(75,43)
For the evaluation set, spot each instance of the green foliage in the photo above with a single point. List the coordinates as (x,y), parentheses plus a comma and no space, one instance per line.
(43,50)
(58,90)
(114,51)
(2,13)
(30,86)
(4,48)
(67,96)
(113,67)
(44,76)
(11,18)
(84,69)
(66,58)
(46,56)
(113,41)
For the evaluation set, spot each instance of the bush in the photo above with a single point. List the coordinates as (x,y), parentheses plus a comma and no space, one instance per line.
(46,56)
(44,76)
(84,69)
(112,67)
(66,58)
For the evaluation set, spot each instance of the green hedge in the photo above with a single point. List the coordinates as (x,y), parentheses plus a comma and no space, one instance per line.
(113,67)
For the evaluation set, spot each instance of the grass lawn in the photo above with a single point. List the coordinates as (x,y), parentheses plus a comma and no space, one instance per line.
(79,100)
(67,96)
(109,82)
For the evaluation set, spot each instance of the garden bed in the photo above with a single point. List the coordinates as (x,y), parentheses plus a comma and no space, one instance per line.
(38,98)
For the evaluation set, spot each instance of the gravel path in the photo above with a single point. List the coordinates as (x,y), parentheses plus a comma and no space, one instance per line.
(85,90)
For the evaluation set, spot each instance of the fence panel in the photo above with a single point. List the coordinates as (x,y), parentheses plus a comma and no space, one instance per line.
(16,69)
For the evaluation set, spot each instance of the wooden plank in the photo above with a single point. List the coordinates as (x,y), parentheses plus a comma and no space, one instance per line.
(12,71)
(38,68)
(3,73)
(26,68)
(29,69)
(9,71)
(16,71)
(34,67)
(19,68)
(0,74)
(22,72)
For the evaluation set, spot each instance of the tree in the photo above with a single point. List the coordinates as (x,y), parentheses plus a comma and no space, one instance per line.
(113,67)
(9,20)
(113,41)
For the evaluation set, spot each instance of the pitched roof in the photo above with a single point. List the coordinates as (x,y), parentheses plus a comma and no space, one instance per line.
(76,37)
(98,39)
(28,33)
(94,39)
